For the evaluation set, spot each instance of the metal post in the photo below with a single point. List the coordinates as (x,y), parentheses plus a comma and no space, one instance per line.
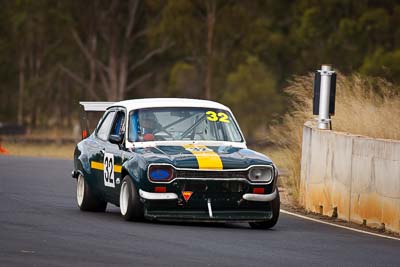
(323,117)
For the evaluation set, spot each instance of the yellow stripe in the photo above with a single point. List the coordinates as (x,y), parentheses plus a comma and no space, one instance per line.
(206,158)
(117,168)
(97,165)
(100,166)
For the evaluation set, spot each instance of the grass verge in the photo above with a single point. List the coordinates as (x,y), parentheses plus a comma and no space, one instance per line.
(63,151)
(364,106)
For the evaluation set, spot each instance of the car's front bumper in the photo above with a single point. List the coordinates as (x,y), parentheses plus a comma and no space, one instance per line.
(171,196)
(157,196)
(248,208)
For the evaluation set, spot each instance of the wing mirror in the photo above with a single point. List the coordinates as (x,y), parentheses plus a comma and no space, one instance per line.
(115,139)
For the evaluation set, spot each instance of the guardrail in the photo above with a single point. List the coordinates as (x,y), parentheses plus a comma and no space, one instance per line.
(354,178)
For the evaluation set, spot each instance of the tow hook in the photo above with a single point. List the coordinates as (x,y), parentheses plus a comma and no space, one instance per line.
(209,208)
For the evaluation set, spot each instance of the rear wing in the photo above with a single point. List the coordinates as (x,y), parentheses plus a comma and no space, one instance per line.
(91,112)
(95,106)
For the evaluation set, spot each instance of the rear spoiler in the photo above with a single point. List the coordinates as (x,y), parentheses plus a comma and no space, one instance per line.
(91,107)
(95,106)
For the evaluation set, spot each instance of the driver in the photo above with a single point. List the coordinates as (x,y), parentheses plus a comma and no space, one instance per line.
(148,125)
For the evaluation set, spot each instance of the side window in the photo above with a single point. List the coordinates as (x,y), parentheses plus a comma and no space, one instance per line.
(118,127)
(104,129)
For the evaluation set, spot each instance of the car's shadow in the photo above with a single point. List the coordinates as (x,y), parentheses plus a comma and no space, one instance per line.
(114,214)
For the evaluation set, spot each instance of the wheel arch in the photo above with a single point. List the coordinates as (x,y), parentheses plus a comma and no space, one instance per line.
(136,168)
(125,171)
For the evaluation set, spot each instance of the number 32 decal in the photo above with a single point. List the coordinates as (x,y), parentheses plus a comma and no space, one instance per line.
(213,116)
(109,170)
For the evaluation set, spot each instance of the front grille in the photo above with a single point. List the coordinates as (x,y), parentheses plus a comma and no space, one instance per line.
(211,174)
(212,187)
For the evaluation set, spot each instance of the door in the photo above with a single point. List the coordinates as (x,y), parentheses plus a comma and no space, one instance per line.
(113,158)
(99,162)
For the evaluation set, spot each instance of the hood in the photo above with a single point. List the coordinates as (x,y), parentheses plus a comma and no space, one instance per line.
(204,157)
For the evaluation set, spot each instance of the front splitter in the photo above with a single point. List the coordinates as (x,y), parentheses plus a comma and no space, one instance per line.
(204,216)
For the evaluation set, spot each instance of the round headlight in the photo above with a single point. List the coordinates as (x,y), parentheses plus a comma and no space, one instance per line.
(261,174)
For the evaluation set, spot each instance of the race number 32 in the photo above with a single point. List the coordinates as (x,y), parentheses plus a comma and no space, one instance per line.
(220,116)
(109,170)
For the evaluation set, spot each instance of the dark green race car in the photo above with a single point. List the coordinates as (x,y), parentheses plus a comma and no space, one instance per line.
(175,160)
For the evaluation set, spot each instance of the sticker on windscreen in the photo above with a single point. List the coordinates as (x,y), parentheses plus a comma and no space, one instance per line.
(220,116)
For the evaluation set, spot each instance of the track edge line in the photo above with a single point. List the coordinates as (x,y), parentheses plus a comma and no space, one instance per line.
(337,225)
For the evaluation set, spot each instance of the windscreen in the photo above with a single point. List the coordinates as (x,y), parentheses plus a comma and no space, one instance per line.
(186,124)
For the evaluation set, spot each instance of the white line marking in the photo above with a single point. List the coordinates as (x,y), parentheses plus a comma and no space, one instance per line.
(27,251)
(337,225)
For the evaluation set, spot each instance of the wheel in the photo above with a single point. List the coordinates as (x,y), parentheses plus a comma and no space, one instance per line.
(129,202)
(276,204)
(87,201)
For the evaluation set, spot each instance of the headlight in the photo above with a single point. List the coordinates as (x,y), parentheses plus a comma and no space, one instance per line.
(261,174)
(161,173)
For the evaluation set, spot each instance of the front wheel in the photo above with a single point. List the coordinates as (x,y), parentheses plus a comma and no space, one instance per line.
(129,202)
(276,204)
(87,201)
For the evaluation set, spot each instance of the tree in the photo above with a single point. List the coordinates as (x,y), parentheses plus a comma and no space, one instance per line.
(252,95)
(113,47)
(36,27)
(192,25)
(183,81)
(383,64)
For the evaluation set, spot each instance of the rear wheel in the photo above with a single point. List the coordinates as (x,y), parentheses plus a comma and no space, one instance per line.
(87,201)
(129,201)
(276,204)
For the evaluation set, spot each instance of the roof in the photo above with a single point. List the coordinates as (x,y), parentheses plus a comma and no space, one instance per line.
(168,102)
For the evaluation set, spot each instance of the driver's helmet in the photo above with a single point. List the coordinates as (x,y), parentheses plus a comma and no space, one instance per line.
(148,122)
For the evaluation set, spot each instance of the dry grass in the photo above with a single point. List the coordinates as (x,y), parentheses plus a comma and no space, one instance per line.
(364,106)
(65,151)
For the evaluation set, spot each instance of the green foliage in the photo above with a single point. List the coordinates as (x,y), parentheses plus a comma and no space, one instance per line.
(251,93)
(383,64)
(183,81)
(283,38)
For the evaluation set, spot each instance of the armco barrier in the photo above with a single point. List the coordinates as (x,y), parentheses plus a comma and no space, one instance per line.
(355,178)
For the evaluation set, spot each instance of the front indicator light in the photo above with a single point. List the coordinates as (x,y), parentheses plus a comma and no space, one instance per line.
(160,189)
(258,190)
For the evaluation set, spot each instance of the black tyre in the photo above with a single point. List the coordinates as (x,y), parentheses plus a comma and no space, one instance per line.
(129,202)
(87,201)
(276,205)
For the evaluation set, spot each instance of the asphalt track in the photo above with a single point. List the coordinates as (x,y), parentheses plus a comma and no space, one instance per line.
(40,225)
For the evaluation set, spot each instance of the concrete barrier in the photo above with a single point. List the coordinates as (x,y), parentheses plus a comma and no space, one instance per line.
(355,178)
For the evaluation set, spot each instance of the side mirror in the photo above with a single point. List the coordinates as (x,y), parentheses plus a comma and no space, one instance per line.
(115,139)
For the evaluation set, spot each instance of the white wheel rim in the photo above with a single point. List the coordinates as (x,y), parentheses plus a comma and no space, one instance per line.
(124,198)
(80,190)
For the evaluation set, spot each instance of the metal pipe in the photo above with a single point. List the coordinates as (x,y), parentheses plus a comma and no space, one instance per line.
(323,117)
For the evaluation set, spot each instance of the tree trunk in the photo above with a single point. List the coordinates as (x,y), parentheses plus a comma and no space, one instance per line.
(211,9)
(115,68)
(113,71)
(92,67)
(123,76)
(21,89)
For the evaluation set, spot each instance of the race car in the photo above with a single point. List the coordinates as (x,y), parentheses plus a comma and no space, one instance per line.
(175,160)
